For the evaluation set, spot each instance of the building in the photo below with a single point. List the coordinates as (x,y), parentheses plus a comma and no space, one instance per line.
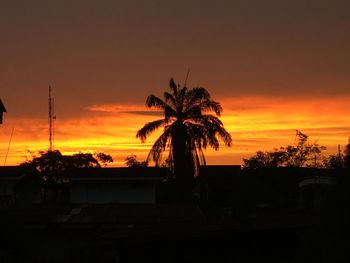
(9,177)
(89,186)
(2,110)
(114,185)
(217,181)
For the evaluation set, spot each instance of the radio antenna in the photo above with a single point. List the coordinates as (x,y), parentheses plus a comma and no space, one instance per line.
(188,72)
(51,120)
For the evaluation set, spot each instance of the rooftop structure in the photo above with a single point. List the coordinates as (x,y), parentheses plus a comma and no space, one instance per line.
(2,110)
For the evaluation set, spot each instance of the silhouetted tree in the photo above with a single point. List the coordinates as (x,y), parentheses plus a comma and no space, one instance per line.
(334,161)
(188,129)
(301,154)
(265,160)
(104,158)
(82,160)
(51,165)
(341,160)
(131,161)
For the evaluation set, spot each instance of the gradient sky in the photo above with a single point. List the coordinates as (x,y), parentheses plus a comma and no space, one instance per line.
(275,66)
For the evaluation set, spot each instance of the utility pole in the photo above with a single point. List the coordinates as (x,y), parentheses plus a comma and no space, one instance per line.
(315,161)
(339,156)
(188,72)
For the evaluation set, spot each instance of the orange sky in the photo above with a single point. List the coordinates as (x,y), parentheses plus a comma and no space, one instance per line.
(255,123)
(275,66)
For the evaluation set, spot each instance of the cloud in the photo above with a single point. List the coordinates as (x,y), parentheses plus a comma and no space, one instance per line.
(145,113)
(255,123)
(124,109)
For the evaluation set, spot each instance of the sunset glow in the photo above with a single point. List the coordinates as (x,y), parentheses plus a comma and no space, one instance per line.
(275,66)
(255,123)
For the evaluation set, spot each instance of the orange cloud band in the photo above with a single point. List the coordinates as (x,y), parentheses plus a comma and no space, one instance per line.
(255,123)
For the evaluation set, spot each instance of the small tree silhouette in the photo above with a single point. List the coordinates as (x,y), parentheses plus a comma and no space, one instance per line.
(301,154)
(104,158)
(131,161)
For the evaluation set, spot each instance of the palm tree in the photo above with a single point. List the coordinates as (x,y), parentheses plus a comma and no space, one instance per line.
(188,129)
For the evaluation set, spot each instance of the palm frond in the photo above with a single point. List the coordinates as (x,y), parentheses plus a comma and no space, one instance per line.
(154,101)
(159,147)
(206,118)
(193,112)
(225,136)
(208,127)
(198,99)
(198,135)
(170,99)
(198,94)
(211,105)
(173,87)
(150,127)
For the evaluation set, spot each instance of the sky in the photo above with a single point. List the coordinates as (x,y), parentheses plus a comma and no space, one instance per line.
(275,66)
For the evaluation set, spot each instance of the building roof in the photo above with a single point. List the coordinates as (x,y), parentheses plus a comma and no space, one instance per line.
(219,171)
(11,172)
(118,173)
(317,180)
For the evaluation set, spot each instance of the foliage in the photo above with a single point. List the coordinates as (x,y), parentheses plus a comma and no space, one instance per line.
(168,163)
(302,154)
(131,161)
(341,160)
(188,128)
(265,160)
(104,158)
(51,165)
(81,160)
(333,161)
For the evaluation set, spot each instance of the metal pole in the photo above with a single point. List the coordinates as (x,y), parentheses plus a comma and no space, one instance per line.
(50,120)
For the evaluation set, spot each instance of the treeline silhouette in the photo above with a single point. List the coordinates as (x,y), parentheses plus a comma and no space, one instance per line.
(302,154)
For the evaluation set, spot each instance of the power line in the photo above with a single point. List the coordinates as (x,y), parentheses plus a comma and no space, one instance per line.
(8,147)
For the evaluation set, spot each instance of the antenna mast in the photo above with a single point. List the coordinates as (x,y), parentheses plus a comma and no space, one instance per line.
(51,118)
(188,72)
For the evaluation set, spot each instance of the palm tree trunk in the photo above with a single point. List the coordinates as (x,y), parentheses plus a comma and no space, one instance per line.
(183,164)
